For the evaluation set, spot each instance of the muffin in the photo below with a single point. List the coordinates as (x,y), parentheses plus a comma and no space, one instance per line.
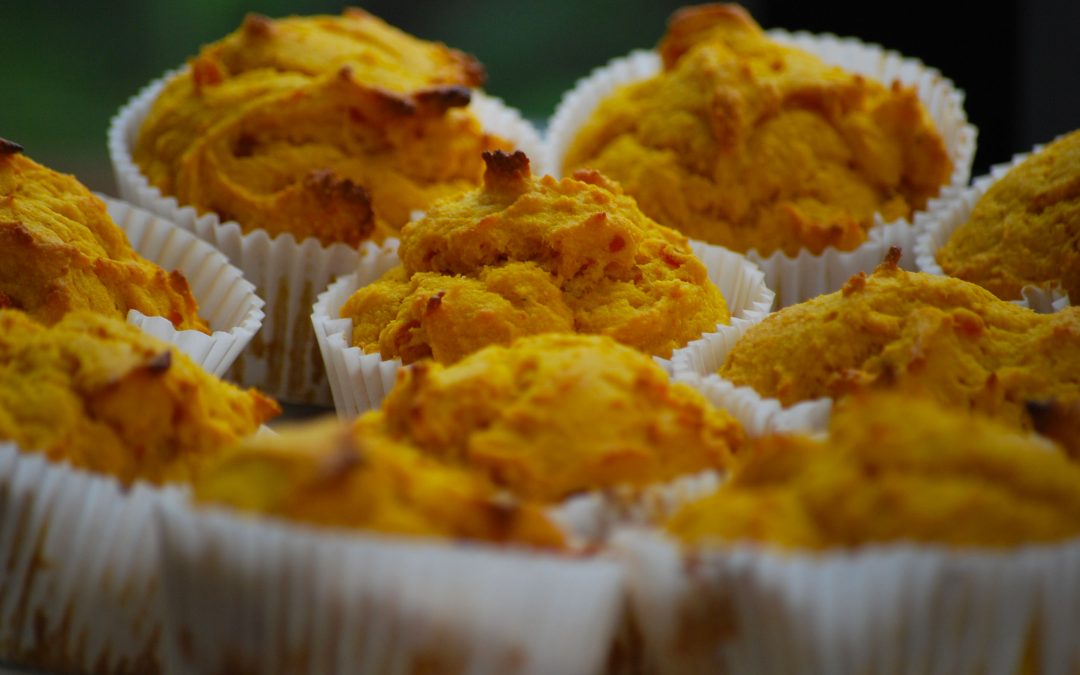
(912,535)
(914,332)
(1024,228)
(331,474)
(523,256)
(98,394)
(327,127)
(893,468)
(64,253)
(292,145)
(97,420)
(808,153)
(553,415)
(541,421)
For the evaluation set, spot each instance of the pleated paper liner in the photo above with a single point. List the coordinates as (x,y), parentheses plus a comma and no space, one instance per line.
(951,210)
(804,276)
(900,608)
(283,359)
(79,553)
(360,381)
(226,300)
(246,595)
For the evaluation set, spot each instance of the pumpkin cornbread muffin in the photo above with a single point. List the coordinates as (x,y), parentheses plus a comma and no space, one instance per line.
(944,337)
(754,145)
(1025,230)
(523,256)
(99,394)
(554,415)
(328,127)
(893,468)
(62,252)
(340,475)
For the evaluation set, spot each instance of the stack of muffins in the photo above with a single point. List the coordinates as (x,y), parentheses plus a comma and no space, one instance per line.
(577,430)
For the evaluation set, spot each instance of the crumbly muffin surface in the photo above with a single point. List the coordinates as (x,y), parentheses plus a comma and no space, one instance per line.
(62,252)
(354,476)
(943,337)
(894,468)
(328,127)
(1026,229)
(524,256)
(750,144)
(553,415)
(99,394)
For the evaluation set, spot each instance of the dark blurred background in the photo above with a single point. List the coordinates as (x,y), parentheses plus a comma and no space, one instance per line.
(67,66)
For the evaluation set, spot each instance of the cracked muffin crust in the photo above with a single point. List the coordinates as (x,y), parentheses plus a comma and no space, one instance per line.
(99,394)
(62,252)
(523,256)
(328,127)
(750,144)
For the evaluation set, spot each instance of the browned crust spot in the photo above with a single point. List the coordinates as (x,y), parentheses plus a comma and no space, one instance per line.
(855,284)
(160,363)
(506,171)
(9,147)
(434,302)
(328,186)
(258,26)
(440,99)
(891,262)
(686,24)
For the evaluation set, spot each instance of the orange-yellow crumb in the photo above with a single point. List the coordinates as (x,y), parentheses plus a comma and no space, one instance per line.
(345,476)
(524,256)
(943,337)
(750,144)
(328,127)
(1025,231)
(894,468)
(100,394)
(553,415)
(62,252)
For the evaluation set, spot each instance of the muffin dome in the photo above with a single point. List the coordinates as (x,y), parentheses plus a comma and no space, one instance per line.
(99,394)
(751,144)
(62,252)
(1025,230)
(894,468)
(523,256)
(553,415)
(340,475)
(329,127)
(947,338)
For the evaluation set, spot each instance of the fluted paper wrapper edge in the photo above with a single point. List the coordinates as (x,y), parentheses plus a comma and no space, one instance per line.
(255,596)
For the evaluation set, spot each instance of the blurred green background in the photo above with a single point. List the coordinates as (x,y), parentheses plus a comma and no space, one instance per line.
(66,66)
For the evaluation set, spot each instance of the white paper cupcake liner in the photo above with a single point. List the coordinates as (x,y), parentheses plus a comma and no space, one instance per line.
(900,608)
(283,359)
(227,301)
(589,519)
(804,276)
(244,595)
(79,591)
(951,210)
(360,381)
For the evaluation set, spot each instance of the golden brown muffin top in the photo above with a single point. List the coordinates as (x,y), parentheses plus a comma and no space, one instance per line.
(947,338)
(525,256)
(553,415)
(894,468)
(329,127)
(350,476)
(101,395)
(62,252)
(1026,229)
(750,144)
